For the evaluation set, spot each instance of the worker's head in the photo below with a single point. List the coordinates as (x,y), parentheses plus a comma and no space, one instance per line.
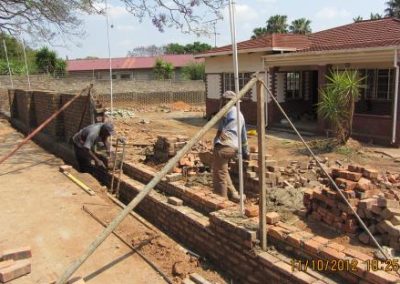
(107,130)
(226,97)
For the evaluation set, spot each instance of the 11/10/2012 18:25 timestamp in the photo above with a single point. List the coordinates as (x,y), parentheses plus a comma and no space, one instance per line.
(350,265)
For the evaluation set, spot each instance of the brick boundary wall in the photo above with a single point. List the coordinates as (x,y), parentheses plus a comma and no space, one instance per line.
(212,227)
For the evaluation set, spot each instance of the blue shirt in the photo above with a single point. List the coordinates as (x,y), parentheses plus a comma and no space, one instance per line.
(88,136)
(228,127)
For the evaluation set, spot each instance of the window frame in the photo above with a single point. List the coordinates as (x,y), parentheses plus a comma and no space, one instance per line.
(296,86)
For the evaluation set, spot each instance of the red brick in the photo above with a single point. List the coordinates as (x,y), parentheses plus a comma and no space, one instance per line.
(312,246)
(302,277)
(272,218)
(381,277)
(251,211)
(356,254)
(336,246)
(331,253)
(364,185)
(267,259)
(295,239)
(18,269)
(370,173)
(355,168)
(349,175)
(6,263)
(321,240)
(17,253)
(277,233)
(283,268)
(346,184)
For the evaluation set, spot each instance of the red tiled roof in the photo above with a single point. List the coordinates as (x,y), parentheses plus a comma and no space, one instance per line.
(370,33)
(283,41)
(128,62)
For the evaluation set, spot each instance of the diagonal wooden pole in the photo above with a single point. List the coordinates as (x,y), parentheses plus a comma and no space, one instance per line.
(147,189)
(261,165)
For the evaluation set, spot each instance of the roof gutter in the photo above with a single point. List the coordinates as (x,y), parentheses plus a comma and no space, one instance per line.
(251,50)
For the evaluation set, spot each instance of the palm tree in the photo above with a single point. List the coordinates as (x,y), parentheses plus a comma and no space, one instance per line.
(338,100)
(300,26)
(375,16)
(277,24)
(257,32)
(358,19)
(393,8)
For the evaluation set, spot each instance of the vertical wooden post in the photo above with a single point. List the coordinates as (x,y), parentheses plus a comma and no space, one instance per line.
(261,164)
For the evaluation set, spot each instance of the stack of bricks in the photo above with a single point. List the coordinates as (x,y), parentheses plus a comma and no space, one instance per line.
(167,146)
(14,263)
(379,210)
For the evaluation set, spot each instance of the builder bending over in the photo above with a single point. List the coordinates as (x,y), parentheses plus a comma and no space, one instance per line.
(85,141)
(226,145)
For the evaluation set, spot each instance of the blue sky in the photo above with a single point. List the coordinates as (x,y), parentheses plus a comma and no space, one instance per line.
(128,33)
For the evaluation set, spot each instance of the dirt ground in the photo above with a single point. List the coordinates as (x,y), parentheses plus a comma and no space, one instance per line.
(283,147)
(42,208)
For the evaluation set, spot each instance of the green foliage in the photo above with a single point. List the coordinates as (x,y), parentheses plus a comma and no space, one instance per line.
(300,26)
(47,62)
(375,16)
(393,8)
(358,19)
(278,24)
(190,48)
(337,101)
(163,69)
(194,71)
(17,68)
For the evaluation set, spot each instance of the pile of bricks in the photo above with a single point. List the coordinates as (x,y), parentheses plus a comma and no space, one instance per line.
(167,146)
(15,263)
(380,210)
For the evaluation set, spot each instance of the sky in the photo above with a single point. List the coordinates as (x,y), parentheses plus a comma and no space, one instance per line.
(128,33)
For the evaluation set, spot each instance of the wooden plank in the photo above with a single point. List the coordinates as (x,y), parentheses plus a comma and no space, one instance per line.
(261,164)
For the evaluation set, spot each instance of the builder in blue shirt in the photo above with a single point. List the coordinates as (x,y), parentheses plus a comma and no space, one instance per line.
(226,145)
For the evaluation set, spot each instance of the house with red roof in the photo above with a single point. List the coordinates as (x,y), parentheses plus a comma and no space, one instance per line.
(295,68)
(128,68)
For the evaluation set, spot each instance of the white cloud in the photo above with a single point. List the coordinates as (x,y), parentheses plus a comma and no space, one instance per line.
(126,28)
(267,1)
(244,13)
(330,13)
(113,11)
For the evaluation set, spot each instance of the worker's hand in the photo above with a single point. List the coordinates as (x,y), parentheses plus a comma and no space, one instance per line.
(99,163)
(246,156)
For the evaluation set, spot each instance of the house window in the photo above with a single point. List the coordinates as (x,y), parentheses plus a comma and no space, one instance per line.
(378,83)
(229,82)
(293,85)
(114,77)
(125,76)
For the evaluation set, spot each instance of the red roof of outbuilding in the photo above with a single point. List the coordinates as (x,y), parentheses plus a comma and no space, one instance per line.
(124,63)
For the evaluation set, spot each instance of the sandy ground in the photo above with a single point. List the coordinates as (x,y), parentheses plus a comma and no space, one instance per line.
(41,208)
(58,220)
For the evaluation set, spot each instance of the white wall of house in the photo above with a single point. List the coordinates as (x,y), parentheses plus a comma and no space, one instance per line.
(280,87)
(215,66)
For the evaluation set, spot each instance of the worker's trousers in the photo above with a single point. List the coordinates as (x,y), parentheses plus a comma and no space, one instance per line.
(222,181)
(82,159)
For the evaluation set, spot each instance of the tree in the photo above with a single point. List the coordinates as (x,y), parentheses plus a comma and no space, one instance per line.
(277,24)
(337,101)
(163,69)
(375,16)
(150,50)
(194,71)
(190,48)
(47,62)
(174,48)
(48,19)
(300,26)
(258,32)
(358,19)
(393,8)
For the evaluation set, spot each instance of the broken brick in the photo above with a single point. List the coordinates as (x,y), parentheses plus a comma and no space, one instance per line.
(272,218)
(251,211)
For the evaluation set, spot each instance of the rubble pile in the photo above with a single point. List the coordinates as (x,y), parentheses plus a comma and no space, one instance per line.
(167,146)
(379,209)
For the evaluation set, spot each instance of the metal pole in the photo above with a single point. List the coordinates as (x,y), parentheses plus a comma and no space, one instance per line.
(43,125)
(26,64)
(396,96)
(326,173)
(147,189)
(110,62)
(236,75)
(261,165)
(8,63)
